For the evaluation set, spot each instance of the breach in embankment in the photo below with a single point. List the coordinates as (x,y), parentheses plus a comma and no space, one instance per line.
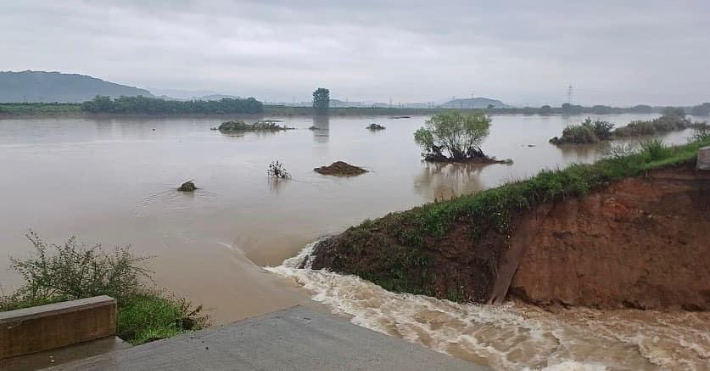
(628,231)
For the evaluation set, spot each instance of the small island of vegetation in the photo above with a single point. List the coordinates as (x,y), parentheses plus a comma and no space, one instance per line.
(455,137)
(587,132)
(672,119)
(593,131)
(375,127)
(188,186)
(340,168)
(241,126)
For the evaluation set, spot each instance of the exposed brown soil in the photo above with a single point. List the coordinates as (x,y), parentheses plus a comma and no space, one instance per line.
(340,168)
(641,243)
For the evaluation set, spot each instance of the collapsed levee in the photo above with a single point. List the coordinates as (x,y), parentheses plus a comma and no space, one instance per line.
(642,243)
(629,234)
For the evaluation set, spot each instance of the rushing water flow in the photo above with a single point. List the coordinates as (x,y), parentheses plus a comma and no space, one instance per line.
(113,181)
(516,336)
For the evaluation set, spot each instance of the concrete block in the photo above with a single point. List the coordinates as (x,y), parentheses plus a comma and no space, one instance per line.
(703,159)
(45,327)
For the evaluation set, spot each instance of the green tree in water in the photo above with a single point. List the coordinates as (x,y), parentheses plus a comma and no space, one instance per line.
(321,100)
(453,136)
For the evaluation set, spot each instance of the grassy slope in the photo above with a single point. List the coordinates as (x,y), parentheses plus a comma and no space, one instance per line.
(402,241)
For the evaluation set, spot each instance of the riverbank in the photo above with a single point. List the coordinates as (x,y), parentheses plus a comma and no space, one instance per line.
(465,249)
(14,110)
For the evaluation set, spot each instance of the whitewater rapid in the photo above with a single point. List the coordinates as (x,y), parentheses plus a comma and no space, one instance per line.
(514,336)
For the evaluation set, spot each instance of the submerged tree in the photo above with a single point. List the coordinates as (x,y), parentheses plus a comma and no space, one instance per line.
(453,136)
(277,171)
(321,100)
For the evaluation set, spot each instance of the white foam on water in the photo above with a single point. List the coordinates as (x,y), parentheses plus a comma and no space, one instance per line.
(574,366)
(513,336)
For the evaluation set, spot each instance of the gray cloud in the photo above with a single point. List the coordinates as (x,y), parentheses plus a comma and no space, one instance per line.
(522,52)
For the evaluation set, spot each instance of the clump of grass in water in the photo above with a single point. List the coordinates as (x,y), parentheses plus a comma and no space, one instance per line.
(257,126)
(56,273)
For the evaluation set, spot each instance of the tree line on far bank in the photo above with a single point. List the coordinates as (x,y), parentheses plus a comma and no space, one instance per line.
(140,104)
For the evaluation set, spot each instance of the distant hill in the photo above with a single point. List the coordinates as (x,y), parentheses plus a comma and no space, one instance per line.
(474,103)
(39,86)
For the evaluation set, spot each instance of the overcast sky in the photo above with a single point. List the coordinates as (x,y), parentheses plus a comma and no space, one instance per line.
(618,52)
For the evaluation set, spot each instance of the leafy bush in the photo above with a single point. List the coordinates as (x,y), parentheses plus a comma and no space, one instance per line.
(55,273)
(74,271)
(277,171)
(636,128)
(621,153)
(701,132)
(576,134)
(654,150)
(459,135)
(587,132)
(601,128)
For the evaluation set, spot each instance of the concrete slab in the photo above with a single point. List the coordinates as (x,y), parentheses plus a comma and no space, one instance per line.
(54,357)
(44,327)
(703,162)
(291,339)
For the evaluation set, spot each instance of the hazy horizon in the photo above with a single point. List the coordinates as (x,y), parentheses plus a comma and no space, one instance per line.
(639,52)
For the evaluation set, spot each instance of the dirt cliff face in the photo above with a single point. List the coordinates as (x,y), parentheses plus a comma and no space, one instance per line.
(641,243)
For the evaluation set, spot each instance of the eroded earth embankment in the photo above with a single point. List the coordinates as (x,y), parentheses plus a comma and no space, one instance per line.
(642,242)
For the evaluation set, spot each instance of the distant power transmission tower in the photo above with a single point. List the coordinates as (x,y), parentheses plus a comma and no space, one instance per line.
(569,94)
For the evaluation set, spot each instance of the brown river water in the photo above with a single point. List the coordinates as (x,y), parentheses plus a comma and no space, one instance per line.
(112,181)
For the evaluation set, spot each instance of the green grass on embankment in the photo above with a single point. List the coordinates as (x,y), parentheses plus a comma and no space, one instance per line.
(55,273)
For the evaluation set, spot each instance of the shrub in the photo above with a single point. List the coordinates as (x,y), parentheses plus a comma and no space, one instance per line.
(277,171)
(701,132)
(672,119)
(635,128)
(601,128)
(74,271)
(55,273)
(458,135)
(576,134)
(621,152)
(654,150)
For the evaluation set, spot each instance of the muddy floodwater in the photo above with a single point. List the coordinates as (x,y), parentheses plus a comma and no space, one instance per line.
(112,181)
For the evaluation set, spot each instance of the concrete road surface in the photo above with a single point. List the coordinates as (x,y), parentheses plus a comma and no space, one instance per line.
(292,339)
